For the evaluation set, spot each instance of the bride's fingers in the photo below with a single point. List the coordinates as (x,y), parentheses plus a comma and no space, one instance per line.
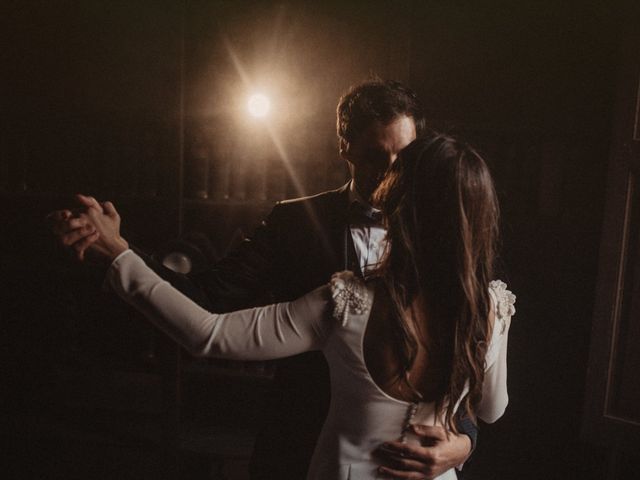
(81,246)
(72,237)
(109,209)
(88,201)
(108,224)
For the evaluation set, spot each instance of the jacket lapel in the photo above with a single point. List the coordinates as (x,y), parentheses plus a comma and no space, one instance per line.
(339,234)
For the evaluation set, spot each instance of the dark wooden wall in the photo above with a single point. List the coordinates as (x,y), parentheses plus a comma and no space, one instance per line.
(138,102)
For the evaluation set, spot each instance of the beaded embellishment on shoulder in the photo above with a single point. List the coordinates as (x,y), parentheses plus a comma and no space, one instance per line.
(349,295)
(505,303)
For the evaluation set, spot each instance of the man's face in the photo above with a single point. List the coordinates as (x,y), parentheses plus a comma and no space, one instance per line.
(375,149)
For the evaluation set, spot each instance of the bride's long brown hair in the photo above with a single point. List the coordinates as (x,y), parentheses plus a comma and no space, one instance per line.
(442,215)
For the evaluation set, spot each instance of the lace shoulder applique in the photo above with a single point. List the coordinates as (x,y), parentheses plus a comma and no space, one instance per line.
(349,295)
(505,303)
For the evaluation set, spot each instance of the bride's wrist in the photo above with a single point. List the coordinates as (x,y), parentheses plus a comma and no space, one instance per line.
(119,246)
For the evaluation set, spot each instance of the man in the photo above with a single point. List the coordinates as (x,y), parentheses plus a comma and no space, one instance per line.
(296,249)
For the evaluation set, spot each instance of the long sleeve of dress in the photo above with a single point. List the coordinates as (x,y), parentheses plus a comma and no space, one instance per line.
(494,389)
(263,333)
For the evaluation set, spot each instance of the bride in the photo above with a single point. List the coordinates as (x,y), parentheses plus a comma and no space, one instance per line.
(424,335)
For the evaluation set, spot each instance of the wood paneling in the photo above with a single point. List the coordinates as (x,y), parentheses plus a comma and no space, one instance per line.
(612,403)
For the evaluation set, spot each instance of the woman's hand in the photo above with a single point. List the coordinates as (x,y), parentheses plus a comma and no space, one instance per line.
(105,242)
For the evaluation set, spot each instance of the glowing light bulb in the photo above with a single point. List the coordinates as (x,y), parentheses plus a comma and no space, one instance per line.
(258,105)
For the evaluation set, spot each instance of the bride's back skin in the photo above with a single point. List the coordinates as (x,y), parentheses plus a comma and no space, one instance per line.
(381,358)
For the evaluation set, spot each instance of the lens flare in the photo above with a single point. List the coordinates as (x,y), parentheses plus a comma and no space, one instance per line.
(258,105)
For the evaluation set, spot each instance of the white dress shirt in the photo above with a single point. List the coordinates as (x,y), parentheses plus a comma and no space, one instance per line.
(369,240)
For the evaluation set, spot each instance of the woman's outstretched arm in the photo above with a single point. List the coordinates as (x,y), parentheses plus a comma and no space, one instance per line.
(262,333)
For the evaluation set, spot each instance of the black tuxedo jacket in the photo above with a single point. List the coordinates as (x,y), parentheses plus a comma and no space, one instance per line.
(296,249)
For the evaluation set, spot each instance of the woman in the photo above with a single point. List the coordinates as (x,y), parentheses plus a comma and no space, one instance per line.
(407,347)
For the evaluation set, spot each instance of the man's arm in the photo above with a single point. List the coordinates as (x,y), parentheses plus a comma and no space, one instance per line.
(245,276)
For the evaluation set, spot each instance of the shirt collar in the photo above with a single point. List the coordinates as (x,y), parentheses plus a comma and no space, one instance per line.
(354,196)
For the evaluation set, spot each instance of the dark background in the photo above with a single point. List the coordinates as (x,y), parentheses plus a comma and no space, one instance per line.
(142,103)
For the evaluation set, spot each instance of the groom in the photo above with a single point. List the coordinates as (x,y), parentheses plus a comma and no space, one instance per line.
(296,249)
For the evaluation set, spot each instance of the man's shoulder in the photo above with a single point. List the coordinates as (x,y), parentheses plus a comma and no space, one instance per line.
(312,211)
(326,198)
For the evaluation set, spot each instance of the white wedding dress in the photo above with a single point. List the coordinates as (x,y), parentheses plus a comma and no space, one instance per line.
(333,319)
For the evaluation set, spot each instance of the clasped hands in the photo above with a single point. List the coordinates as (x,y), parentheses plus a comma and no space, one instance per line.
(95,230)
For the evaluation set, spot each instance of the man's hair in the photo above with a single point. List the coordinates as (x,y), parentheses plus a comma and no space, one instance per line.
(376,100)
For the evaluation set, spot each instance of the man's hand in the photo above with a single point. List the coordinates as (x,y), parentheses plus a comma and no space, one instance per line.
(434,456)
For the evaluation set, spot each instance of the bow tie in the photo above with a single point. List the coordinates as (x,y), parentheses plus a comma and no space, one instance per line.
(360,214)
